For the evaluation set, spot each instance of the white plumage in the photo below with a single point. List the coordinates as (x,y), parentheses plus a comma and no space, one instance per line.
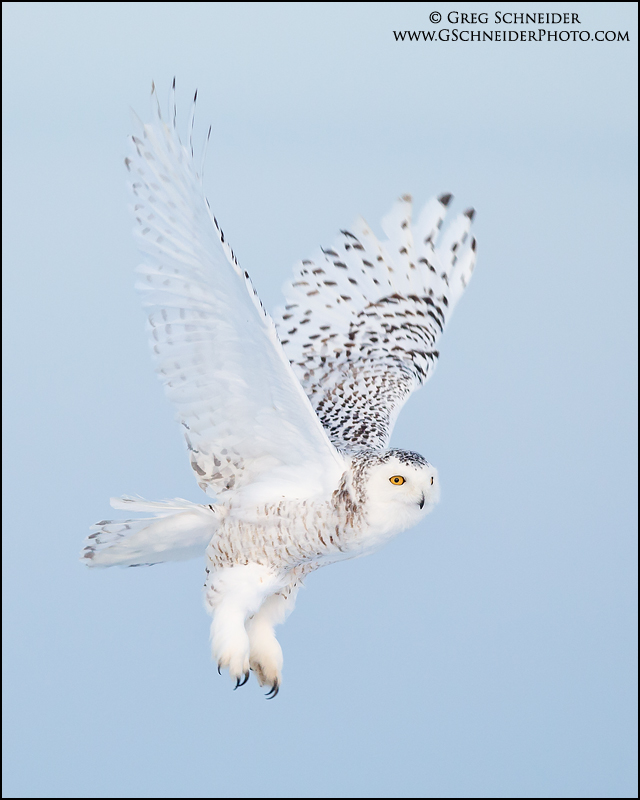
(286,424)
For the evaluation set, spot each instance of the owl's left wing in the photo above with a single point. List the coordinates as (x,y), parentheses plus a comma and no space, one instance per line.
(246,418)
(363,318)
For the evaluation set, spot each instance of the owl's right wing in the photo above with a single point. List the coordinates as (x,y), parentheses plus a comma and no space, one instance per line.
(363,318)
(246,418)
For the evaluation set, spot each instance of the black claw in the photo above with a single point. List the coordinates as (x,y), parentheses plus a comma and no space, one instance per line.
(273,691)
(470,212)
(242,682)
(445,199)
(219,673)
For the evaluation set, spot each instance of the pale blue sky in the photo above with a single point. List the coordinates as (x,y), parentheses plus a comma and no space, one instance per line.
(490,652)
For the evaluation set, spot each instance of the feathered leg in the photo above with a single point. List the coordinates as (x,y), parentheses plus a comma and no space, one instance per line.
(265,652)
(232,595)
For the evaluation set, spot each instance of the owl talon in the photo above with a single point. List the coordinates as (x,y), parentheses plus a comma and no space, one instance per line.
(239,683)
(273,691)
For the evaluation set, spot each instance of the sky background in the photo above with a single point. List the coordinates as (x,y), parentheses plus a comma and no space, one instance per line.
(489,652)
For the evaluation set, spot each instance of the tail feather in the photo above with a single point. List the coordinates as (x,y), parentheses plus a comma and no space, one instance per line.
(178,530)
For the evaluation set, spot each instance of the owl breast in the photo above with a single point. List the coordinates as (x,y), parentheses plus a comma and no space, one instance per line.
(285,535)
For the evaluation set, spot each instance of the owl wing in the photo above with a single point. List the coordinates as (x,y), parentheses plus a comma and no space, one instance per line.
(245,416)
(362,319)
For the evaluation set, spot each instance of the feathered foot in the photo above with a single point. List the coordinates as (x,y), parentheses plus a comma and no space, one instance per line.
(230,647)
(266,654)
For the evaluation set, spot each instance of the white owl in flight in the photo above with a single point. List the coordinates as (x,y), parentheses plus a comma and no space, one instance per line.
(287,420)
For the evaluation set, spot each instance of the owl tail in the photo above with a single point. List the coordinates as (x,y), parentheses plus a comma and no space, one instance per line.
(178,530)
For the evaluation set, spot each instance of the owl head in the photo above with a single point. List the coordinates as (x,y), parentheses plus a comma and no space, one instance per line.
(396,488)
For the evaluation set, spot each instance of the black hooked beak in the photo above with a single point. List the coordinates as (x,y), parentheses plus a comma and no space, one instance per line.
(421,503)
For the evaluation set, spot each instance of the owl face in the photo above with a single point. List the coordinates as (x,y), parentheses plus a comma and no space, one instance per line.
(400,490)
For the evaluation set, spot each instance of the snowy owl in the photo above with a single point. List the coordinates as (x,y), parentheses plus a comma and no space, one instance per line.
(287,420)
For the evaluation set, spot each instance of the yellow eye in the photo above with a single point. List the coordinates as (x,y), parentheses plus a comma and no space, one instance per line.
(397,480)
(432,481)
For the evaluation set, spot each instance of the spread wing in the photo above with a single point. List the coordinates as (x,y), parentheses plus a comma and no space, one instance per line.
(245,415)
(362,319)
